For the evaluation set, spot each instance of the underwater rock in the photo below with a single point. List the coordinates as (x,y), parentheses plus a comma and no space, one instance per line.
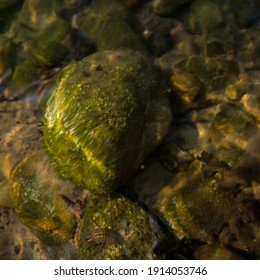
(36,191)
(156,30)
(33,18)
(49,47)
(229,133)
(185,85)
(251,102)
(23,76)
(149,180)
(106,114)
(37,15)
(217,47)
(247,50)
(117,229)
(233,92)
(214,73)
(18,140)
(106,25)
(231,125)
(184,200)
(192,205)
(204,16)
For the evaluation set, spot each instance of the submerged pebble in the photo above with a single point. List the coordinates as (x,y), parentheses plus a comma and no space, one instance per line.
(37,199)
(116,228)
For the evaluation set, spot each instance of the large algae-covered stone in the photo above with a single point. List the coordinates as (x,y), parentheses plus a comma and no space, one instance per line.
(116,228)
(36,191)
(107,112)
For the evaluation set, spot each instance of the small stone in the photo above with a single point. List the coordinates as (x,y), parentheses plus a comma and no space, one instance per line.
(115,228)
(233,93)
(36,192)
(204,16)
(251,102)
(185,85)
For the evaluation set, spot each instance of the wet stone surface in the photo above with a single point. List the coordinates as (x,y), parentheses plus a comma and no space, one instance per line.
(129,129)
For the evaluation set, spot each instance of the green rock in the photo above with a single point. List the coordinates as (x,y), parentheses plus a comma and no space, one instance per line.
(248,49)
(185,85)
(229,133)
(233,92)
(35,190)
(106,24)
(23,76)
(107,112)
(230,154)
(214,73)
(192,205)
(231,126)
(37,14)
(117,229)
(52,44)
(204,16)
